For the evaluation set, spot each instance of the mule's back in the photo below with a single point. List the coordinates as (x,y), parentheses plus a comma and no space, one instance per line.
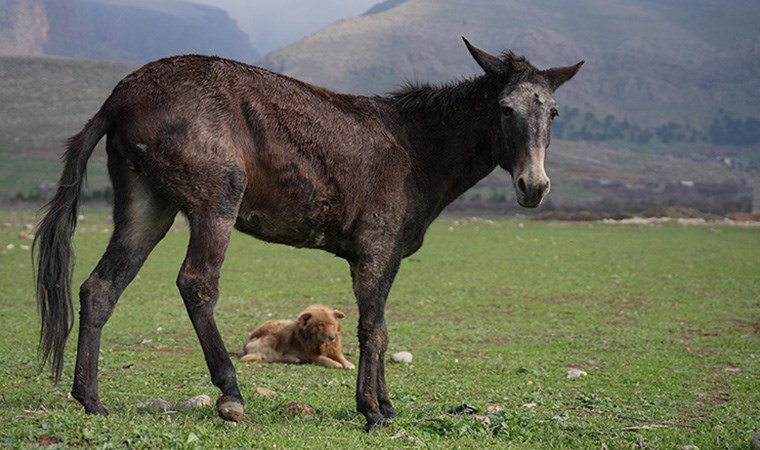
(309,160)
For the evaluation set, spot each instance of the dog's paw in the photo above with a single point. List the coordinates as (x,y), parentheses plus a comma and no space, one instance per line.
(252,357)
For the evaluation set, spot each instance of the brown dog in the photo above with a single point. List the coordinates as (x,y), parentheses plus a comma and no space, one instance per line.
(312,338)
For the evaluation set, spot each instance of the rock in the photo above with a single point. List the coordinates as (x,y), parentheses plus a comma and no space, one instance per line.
(756,441)
(493,409)
(299,409)
(155,405)
(402,357)
(264,392)
(199,401)
(485,420)
(530,405)
(575,373)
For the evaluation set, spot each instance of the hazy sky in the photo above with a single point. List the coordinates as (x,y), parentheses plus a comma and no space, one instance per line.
(274,23)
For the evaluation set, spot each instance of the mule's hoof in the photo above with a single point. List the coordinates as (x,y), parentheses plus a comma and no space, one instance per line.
(375,421)
(388,412)
(372,426)
(97,409)
(91,405)
(230,409)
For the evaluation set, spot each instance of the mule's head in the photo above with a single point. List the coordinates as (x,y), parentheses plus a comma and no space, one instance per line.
(526,107)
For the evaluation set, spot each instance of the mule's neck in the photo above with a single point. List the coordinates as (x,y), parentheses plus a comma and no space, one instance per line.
(452,131)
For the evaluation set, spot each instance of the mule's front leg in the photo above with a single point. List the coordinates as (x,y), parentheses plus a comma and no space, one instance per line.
(372,281)
(198,283)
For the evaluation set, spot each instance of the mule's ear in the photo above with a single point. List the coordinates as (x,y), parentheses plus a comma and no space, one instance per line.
(558,75)
(489,63)
(338,314)
(303,318)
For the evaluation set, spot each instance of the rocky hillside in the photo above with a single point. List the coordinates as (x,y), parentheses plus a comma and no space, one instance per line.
(646,60)
(131,31)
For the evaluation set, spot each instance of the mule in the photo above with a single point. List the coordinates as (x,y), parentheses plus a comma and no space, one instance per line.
(232,146)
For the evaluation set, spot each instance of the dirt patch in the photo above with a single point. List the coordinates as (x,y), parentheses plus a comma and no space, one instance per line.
(744,217)
(750,326)
(667,214)
(46,440)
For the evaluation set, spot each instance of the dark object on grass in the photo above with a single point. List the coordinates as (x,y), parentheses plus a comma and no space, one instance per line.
(232,146)
(464,408)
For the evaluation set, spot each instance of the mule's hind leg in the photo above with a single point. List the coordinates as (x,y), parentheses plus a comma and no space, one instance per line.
(198,283)
(141,219)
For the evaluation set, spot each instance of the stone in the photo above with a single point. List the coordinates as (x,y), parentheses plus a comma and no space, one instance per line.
(299,409)
(493,409)
(199,401)
(264,392)
(402,357)
(485,420)
(575,373)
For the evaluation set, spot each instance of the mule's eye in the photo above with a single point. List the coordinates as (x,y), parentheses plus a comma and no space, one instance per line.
(554,113)
(506,110)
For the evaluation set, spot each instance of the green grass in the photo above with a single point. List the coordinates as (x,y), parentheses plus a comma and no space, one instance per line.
(665,320)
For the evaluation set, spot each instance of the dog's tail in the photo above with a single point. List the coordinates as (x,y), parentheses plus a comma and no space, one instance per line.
(52,245)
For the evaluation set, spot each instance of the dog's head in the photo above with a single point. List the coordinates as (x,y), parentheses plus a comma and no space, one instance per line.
(321,324)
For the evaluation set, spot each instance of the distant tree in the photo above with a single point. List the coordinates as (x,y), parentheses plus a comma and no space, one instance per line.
(728,130)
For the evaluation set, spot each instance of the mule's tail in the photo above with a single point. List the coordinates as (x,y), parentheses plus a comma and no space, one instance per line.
(53,251)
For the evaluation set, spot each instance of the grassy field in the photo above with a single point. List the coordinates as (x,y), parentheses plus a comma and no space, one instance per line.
(664,319)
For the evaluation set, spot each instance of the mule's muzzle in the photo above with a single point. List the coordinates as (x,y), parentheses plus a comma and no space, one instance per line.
(531,190)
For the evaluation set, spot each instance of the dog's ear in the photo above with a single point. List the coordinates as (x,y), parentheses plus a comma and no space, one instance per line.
(338,314)
(304,318)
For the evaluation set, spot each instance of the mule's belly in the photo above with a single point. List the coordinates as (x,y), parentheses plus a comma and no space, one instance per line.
(280,230)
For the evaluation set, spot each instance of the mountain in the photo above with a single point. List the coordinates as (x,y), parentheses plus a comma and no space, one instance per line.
(648,61)
(131,31)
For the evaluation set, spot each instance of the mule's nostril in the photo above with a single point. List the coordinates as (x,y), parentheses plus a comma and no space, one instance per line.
(521,185)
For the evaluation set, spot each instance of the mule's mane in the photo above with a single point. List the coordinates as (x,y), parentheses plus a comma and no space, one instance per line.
(516,64)
(430,97)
